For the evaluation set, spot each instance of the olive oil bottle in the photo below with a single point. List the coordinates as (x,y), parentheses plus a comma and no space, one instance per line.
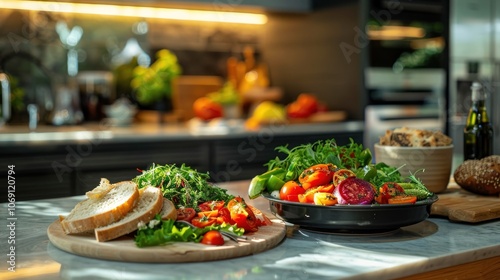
(478,131)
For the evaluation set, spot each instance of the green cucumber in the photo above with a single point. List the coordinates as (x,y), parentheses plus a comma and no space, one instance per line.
(257,186)
(274,183)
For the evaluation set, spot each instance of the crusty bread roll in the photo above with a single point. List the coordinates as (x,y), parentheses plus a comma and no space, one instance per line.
(102,210)
(150,203)
(412,137)
(168,211)
(480,176)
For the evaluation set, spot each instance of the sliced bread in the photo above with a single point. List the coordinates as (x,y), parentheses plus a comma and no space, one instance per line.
(109,208)
(168,211)
(104,187)
(150,203)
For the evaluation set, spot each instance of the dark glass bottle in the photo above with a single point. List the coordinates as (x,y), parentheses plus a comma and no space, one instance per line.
(478,131)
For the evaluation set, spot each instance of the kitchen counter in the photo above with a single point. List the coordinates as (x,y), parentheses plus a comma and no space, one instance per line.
(434,248)
(103,131)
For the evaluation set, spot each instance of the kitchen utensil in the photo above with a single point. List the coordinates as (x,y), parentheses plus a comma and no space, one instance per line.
(227,234)
(351,218)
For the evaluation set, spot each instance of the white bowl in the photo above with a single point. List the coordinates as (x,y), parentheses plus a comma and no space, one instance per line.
(432,163)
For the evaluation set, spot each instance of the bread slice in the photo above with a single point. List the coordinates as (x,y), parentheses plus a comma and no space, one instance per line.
(92,213)
(168,211)
(150,203)
(104,187)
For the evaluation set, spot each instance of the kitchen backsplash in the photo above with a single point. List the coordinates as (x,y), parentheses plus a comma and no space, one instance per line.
(301,50)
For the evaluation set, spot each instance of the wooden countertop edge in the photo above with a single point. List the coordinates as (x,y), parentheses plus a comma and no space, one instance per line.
(482,269)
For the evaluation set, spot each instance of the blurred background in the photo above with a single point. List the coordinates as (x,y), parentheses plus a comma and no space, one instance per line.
(375,64)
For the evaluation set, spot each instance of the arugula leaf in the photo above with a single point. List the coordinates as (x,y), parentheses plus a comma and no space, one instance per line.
(301,157)
(183,185)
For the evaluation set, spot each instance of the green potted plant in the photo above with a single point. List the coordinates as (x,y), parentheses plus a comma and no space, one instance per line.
(153,85)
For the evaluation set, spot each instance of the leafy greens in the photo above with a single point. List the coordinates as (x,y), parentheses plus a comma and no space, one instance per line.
(184,186)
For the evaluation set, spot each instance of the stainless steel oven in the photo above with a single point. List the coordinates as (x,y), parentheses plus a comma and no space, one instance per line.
(405,78)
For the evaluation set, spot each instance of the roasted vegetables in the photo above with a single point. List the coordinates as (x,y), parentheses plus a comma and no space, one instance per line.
(323,172)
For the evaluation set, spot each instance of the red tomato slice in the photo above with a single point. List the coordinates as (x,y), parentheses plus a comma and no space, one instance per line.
(387,191)
(342,174)
(242,215)
(403,199)
(210,213)
(224,216)
(203,222)
(211,205)
(185,214)
(316,175)
(261,217)
(212,237)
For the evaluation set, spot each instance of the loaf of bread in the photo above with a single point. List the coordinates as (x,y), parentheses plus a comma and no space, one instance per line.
(412,137)
(479,176)
(150,203)
(101,210)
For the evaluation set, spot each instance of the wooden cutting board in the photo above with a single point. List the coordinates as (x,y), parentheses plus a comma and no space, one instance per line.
(124,249)
(463,206)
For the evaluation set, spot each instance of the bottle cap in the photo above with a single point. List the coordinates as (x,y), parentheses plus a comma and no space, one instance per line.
(477,91)
(476,85)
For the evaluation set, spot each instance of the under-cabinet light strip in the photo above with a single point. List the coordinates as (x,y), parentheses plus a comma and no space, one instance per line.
(136,11)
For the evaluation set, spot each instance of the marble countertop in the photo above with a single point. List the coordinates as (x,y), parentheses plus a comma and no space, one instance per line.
(10,135)
(432,244)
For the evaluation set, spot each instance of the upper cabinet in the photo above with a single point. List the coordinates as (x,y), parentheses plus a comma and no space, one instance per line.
(471,29)
(289,6)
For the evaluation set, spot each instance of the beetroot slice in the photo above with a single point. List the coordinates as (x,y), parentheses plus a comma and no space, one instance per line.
(354,191)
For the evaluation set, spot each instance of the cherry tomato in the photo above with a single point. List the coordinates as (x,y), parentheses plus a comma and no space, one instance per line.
(290,191)
(388,190)
(212,237)
(203,222)
(211,205)
(185,214)
(206,109)
(342,174)
(403,199)
(242,215)
(317,175)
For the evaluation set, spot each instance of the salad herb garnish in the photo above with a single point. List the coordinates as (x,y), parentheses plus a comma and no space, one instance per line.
(184,186)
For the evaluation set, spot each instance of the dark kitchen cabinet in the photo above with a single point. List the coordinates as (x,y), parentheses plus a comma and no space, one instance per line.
(57,169)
